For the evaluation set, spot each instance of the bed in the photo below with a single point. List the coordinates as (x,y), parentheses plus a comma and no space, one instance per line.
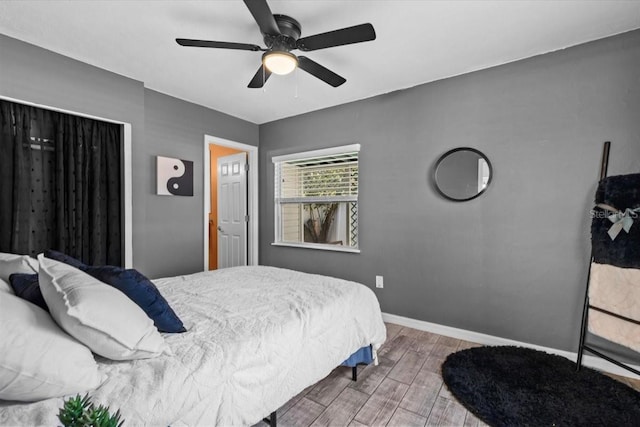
(256,336)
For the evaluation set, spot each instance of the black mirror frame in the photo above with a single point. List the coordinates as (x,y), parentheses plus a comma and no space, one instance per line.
(455,150)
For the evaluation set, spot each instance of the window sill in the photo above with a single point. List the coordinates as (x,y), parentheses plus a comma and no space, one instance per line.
(318,246)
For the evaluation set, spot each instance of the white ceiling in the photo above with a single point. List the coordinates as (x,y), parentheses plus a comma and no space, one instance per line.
(417,42)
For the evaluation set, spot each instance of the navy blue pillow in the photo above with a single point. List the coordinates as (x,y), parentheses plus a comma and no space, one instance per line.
(133,284)
(59,256)
(141,291)
(26,287)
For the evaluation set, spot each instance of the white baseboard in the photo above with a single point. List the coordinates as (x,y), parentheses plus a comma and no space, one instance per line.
(484,339)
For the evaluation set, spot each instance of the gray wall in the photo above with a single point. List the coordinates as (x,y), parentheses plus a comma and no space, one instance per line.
(511,263)
(176,128)
(167,232)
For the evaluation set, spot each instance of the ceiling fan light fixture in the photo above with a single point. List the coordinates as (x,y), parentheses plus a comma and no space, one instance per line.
(280,62)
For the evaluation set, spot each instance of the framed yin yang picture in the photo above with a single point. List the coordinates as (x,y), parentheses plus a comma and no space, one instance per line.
(175,177)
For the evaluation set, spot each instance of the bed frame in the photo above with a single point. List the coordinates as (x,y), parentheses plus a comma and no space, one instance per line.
(364,356)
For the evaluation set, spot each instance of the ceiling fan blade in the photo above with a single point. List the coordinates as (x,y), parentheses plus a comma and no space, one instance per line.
(317,70)
(263,16)
(260,78)
(219,45)
(355,34)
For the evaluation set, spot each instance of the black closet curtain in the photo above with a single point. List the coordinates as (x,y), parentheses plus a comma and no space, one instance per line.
(61,184)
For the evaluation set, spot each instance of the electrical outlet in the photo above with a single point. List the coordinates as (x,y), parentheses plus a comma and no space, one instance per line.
(379,282)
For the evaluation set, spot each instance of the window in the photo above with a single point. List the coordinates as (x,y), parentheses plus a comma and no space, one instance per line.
(316,199)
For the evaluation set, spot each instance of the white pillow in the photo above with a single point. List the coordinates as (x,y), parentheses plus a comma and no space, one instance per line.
(12,263)
(98,315)
(5,287)
(37,359)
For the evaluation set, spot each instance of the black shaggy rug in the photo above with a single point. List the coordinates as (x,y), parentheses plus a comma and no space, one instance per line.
(514,386)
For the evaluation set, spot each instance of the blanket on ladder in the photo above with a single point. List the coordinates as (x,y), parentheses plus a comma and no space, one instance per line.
(614,288)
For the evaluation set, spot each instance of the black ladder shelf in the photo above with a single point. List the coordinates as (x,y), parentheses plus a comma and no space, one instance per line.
(585,311)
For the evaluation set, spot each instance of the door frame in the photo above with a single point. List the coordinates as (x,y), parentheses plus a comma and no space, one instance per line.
(252,195)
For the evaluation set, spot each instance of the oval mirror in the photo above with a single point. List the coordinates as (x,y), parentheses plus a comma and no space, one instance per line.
(462,174)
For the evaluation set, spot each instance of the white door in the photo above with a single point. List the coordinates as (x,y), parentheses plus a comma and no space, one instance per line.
(232,210)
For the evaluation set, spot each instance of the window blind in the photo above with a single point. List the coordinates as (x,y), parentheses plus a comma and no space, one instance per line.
(317,179)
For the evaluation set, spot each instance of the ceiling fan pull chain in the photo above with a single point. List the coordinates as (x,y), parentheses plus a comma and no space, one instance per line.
(296,93)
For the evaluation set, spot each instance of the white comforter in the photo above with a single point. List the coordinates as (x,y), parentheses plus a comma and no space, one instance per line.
(256,337)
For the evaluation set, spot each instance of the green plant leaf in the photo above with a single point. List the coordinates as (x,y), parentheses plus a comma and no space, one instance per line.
(72,412)
(81,412)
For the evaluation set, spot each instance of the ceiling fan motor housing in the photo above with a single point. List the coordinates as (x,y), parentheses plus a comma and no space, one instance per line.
(289,34)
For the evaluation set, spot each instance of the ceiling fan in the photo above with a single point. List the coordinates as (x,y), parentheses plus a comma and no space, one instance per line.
(281,36)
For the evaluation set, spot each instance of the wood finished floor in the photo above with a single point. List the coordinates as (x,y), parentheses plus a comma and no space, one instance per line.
(405,389)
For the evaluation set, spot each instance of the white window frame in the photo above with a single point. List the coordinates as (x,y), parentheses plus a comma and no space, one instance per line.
(276,204)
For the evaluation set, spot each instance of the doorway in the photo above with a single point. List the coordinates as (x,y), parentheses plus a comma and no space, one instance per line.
(214,149)
(216,152)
